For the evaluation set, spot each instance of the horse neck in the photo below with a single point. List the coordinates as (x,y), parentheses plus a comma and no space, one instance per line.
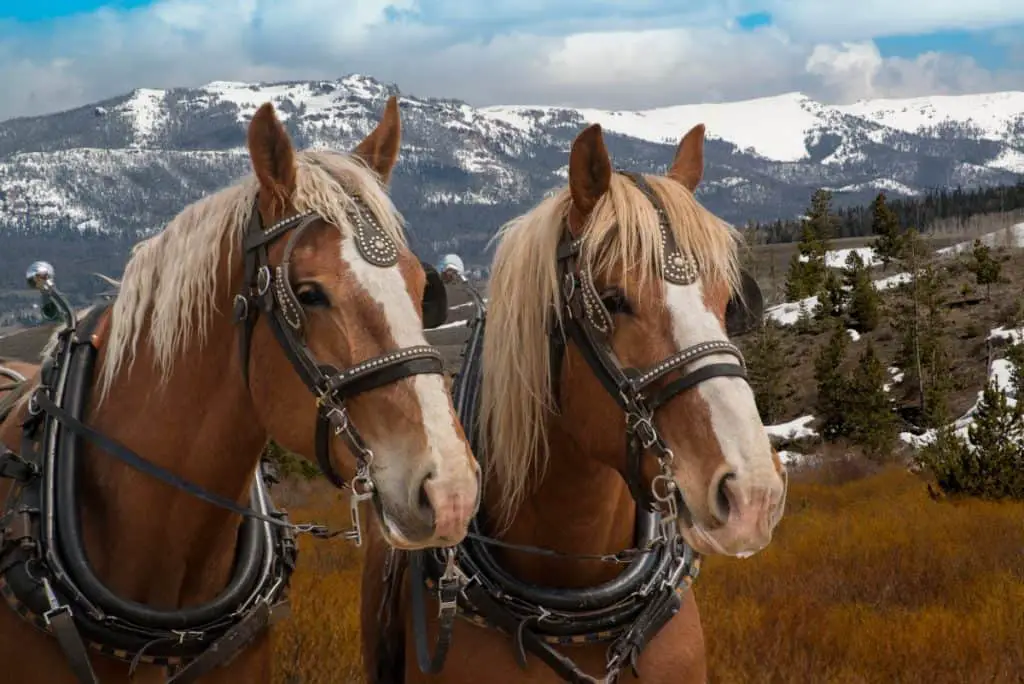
(146,540)
(579,505)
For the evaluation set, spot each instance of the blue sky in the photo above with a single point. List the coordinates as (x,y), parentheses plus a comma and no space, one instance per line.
(57,54)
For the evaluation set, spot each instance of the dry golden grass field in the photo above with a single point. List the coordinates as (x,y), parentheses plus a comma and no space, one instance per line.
(869,580)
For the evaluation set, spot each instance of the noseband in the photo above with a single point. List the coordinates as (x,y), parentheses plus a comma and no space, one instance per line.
(639,393)
(269,290)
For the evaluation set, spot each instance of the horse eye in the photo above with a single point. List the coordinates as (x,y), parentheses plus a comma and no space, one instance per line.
(312,295)
(615,302)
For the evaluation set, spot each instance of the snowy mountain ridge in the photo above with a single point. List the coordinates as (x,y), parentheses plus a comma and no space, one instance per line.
(131,162)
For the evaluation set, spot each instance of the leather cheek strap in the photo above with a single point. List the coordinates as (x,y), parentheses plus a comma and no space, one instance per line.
(291,309)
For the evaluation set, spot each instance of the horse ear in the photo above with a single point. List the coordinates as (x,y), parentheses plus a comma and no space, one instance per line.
(688,166)
(380,149)
(745,310)
(590,169)
(273,158)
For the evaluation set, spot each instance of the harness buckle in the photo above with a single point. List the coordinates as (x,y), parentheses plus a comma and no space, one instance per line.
(362,490)
(643,427)
(241,307)
(665,494)
(263,278)
(337,416)
(569,286)
(56,607)
(449,584)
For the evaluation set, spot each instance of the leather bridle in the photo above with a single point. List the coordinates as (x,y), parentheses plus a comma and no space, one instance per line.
(627,612)
(268,290)
(588,323)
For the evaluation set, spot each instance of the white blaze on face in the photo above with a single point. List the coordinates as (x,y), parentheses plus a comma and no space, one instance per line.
(387,288)
(734,417)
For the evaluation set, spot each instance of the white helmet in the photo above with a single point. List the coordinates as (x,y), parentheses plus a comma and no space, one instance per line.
(451,261)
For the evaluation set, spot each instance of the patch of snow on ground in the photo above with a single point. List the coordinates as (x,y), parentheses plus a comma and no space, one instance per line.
(1000,373)
(789,458)
(1011,236)
(897,377)
(836,258)
(798,428)
(788,313)
(1013,335)
(892,281)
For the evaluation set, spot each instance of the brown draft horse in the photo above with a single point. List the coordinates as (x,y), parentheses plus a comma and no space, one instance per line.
(339,289)
(637,275)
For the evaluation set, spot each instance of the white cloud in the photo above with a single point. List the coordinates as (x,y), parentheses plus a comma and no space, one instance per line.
(854,20)
(607,53)
(857,70)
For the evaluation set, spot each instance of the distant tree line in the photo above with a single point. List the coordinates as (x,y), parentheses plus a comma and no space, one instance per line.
(920,212)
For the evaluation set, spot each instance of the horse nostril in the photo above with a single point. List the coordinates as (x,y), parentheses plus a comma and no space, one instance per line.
(423,500)
(723,501)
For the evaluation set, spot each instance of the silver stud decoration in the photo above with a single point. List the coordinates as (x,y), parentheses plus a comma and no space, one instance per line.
(680,268)
(689,355)
(386,360)
(371,241)
(286,222)
(594,309)
(290,308)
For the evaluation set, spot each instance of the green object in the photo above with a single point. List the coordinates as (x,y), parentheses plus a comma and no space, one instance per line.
(49,309)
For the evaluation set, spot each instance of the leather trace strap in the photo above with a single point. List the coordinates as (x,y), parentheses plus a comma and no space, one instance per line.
(43,402)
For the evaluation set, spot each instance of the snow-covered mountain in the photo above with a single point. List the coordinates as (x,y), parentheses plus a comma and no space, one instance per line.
(129,163)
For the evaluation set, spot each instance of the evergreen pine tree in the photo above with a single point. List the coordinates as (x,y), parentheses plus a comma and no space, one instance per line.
(996,434)
(1015,355)
(984,266)
(919,314)
(807,269)
(990,464)
(871,418)
(951,461)
(833,387)
(832,299)
(805,323)
(865,307)
(767,371)
(886,227)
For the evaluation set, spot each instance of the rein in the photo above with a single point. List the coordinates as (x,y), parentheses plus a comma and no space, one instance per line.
(628,611)
(45,575)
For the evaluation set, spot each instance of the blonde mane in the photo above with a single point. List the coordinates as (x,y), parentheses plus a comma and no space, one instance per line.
(170,282)
(622,232)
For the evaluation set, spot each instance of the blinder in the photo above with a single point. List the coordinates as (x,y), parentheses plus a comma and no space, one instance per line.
(745,310)
(435,299)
